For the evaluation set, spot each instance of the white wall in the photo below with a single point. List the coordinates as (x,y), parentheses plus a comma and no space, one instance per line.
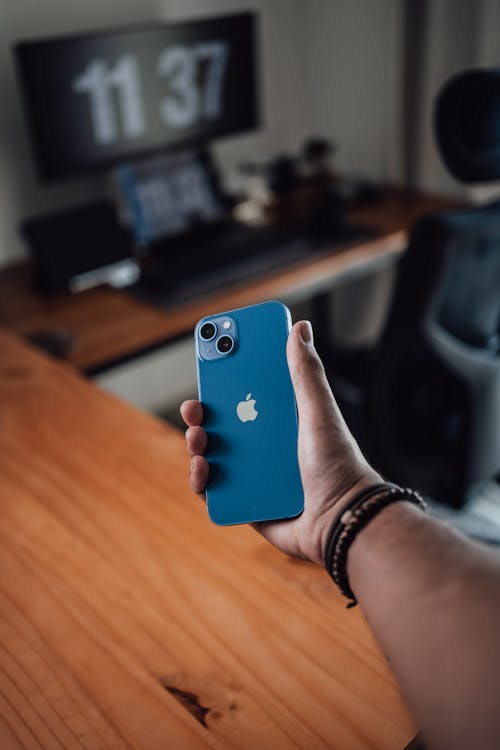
(351,52)
(328,67)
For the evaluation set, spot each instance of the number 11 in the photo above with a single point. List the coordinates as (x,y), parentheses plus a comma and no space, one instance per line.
(98,81)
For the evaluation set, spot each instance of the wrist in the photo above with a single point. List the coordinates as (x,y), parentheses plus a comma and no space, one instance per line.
(369,478)
(363,509)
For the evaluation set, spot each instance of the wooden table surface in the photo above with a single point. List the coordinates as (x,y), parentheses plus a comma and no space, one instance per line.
(128,620)
(110,326)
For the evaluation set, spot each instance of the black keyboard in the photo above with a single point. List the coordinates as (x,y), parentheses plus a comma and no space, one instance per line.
(203,262)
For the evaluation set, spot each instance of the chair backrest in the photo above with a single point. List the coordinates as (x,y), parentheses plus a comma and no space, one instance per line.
(467,125)
(451,273)
(434,393)
(427,404)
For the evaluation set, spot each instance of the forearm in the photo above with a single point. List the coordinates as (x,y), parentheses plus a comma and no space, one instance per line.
(432,599)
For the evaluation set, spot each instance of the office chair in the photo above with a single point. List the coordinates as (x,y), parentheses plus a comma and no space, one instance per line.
(432,385)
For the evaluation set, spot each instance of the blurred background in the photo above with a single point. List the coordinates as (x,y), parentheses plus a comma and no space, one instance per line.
(320,137)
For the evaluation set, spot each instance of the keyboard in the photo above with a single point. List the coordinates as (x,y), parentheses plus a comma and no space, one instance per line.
(203,262)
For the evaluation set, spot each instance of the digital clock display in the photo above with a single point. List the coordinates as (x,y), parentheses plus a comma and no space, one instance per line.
(97,99)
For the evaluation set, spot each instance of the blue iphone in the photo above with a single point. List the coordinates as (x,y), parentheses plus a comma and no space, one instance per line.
(250,415)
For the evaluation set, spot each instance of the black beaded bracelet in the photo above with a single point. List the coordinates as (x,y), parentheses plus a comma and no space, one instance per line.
(361,510)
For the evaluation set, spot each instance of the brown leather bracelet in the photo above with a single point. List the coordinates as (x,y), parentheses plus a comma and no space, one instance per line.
(356,516)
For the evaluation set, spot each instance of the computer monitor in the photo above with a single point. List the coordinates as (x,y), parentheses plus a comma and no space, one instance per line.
(97,99)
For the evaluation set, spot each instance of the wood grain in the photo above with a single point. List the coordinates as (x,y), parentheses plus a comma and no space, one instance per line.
(109,325)
(128,620)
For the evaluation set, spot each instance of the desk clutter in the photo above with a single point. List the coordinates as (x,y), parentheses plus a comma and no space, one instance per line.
(109,326)
(172,233)
(154,141)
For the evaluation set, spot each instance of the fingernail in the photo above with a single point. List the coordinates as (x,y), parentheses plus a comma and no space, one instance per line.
(306,332)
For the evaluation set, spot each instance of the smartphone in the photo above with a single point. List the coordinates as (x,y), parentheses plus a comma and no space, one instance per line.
(250,415)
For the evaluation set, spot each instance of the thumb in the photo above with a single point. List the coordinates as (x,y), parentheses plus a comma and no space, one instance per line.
(315,402)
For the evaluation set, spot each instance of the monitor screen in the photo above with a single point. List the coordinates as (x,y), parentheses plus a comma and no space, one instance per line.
(97,99)
(167,195)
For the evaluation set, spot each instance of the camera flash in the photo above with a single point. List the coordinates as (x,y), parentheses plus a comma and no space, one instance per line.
(226,324)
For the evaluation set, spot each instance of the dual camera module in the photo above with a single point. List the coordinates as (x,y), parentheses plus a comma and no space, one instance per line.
(216,338)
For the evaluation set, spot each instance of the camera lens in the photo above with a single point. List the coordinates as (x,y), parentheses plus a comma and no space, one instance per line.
(225,344)
(208,331)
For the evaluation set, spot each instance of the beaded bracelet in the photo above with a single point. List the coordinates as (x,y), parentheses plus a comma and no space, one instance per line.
(361,510)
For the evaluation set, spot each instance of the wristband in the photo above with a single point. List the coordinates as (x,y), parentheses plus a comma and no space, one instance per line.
(356,516)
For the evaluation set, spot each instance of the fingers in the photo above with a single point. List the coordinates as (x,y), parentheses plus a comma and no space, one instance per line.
(198,474)
(192,412)
(315,401)
(196,441)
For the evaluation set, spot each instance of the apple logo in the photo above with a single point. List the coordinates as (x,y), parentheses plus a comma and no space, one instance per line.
(246,410)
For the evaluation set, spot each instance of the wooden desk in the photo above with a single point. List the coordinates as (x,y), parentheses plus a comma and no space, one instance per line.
(111,326)
(128,620)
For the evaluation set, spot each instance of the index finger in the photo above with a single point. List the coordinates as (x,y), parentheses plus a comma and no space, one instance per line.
(192,412)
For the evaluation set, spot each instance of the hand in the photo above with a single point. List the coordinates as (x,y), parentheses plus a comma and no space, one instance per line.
(331,464)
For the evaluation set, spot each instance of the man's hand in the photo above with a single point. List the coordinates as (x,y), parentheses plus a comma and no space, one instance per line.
(331,465)
(429,595)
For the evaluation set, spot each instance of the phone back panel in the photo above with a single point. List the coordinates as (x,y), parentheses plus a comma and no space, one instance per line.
(254,474)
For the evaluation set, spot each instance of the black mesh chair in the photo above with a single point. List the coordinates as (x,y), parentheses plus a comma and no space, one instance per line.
(432,386)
